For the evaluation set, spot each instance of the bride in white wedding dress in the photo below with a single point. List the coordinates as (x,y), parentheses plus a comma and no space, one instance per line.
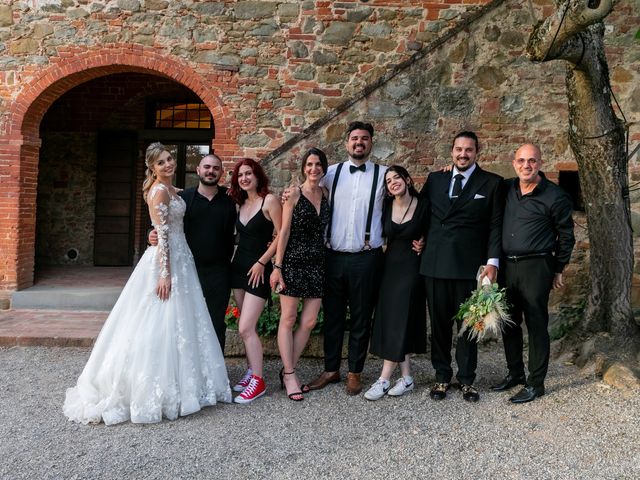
(157,353)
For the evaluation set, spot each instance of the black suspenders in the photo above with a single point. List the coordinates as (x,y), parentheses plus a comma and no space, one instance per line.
(333,196)
(372,199)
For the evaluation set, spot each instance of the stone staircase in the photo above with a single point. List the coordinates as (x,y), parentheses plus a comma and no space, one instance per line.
(65,298)
(72,288)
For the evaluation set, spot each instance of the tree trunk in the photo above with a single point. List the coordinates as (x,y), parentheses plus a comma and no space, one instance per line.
(597,139)
(575,34)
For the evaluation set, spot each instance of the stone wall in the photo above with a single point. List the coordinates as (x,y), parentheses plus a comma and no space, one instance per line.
(296,71)
(480,80)
(281,64)
(66,199)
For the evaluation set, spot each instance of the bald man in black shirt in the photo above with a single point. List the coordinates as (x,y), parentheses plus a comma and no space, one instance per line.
(537,240)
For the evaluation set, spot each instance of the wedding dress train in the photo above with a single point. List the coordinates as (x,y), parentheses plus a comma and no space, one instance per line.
(154,358)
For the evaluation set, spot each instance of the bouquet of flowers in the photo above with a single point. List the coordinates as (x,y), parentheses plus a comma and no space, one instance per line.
(485,311)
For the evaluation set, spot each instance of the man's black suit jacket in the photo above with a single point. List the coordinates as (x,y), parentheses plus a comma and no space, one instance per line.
(465,233)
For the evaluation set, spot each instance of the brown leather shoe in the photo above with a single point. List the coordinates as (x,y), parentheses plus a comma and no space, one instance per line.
(354,385)
(324,379)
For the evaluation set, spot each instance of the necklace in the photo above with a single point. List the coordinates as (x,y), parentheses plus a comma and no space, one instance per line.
(407,210)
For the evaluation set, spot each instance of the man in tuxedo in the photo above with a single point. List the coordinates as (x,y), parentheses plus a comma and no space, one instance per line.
(209,227)
(353,256)
(464,233)
(537,240)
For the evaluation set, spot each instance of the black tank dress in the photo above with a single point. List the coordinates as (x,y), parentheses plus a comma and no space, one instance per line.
(253,240)
(303,261)
(400,322)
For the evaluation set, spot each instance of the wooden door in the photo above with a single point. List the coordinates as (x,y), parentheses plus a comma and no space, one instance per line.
(115,182)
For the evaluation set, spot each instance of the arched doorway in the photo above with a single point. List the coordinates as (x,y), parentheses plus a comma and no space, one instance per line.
(20,143)
(89,208)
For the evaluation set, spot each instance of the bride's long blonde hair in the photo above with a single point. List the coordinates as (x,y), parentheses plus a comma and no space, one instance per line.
(151,157)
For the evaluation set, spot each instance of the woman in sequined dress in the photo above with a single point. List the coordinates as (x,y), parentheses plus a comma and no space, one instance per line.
(299,267)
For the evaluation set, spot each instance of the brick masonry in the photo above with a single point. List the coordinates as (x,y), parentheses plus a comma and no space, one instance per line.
(268,70)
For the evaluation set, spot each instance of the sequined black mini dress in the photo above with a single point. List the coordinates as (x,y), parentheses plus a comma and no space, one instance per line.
(303,261)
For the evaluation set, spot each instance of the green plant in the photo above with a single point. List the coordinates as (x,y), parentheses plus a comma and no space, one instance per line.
(567,318)
(269,318)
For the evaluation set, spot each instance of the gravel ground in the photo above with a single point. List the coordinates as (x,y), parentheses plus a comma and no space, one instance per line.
(580,429)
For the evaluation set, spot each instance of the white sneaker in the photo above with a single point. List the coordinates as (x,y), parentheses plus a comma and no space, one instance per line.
(378,389)
(244,381)
(402,386)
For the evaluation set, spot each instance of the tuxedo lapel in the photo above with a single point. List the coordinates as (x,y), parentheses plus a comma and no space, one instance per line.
(475,182)
(446,183)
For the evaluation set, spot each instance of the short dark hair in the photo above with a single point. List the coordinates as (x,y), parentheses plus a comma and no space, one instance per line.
(320,154)
(359,126)
(212,155)
(466,134)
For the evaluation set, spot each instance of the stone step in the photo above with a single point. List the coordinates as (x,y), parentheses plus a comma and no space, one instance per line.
(58,328)
(66,298)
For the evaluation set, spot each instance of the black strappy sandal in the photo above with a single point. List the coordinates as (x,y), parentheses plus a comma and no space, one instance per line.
(295,396)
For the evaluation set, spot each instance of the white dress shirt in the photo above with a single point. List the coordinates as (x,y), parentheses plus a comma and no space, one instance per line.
(466,174)
(351,207)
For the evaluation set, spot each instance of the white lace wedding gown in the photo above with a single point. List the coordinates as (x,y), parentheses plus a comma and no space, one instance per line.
(154,358)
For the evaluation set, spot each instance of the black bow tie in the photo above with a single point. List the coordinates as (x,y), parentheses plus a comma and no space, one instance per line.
(362,168)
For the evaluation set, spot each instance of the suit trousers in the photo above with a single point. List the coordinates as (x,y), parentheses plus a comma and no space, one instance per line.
(215,281)
(528,284)
(351,280)
(444,297)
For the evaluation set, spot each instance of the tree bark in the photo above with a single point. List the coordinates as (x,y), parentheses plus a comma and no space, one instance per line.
(597,137)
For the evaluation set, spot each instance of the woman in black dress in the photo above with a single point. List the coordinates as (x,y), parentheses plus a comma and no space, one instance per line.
(259,216)
(400,325)
(299,267)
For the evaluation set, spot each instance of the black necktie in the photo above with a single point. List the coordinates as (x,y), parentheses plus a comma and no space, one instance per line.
(457,186)
(353,168)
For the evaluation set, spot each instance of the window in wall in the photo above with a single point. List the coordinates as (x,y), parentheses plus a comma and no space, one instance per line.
(570,182)
(182,116)
(187,156)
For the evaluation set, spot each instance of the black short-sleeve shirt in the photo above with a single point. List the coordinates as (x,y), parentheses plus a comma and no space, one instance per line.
(209,226)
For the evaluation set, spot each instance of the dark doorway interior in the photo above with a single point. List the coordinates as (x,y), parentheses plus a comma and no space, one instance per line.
(89,206)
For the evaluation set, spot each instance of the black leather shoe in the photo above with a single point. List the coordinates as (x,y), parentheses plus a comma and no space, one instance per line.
(469,393)
(508,383)
(527,394)
(439,391)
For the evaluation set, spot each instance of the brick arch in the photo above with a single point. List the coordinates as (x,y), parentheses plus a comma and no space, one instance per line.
(20,142)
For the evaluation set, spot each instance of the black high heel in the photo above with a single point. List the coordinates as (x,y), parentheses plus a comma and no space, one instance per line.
(281,375)
(291,396)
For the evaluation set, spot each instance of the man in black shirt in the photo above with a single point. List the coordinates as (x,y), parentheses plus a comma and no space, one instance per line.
(537,240)
(209,226)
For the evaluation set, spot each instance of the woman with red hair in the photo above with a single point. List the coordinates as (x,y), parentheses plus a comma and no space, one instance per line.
(258,223)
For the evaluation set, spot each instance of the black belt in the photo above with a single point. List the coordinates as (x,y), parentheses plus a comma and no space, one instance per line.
(338,252)
(518,258)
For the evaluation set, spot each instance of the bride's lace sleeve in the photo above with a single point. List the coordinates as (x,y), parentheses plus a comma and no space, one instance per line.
(158,200)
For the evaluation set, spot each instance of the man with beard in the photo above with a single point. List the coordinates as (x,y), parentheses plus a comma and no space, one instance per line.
(464,233)
(353,256)
(209,226)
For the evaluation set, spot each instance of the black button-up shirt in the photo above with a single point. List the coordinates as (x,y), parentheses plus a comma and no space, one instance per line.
(209,226)
(538,222)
